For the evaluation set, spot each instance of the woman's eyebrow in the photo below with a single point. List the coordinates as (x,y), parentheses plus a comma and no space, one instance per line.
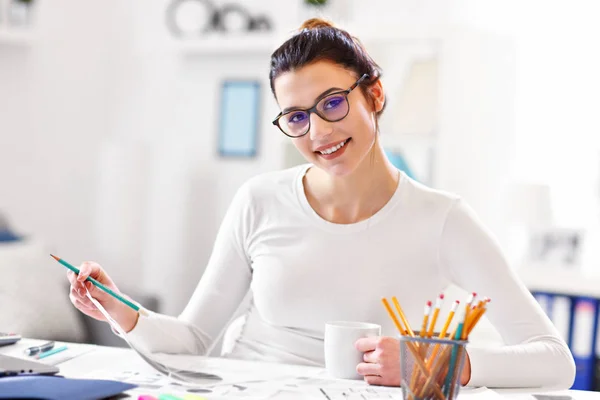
(319,97)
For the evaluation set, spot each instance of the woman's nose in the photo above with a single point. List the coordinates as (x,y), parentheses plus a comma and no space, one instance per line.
(319,128)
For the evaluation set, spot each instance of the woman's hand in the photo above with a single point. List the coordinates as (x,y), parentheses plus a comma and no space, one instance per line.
(381,364)
(123,314)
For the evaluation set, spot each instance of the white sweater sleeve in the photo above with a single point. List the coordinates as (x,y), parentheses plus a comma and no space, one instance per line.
(218,295)
(533,354)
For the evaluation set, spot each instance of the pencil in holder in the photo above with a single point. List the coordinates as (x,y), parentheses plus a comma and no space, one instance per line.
(431,368)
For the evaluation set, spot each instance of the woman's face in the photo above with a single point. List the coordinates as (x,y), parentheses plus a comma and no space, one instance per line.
(336,147)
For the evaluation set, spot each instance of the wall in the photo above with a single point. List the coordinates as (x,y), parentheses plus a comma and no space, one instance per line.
(108,135)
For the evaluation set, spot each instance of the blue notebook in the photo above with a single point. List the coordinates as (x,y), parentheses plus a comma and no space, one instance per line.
(58,388)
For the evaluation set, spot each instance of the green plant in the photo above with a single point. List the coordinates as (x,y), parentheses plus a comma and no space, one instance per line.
(317,3)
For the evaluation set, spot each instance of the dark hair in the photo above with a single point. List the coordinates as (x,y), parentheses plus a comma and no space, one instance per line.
(319,40)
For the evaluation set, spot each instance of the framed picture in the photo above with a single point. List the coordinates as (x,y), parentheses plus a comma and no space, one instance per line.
(239,118)
(557,246)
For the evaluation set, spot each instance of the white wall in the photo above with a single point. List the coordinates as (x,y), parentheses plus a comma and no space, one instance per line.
(108,134)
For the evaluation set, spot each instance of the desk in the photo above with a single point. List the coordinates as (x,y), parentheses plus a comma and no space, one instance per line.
(95,361)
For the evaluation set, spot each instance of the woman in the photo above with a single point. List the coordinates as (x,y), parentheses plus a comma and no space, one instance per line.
(325,241)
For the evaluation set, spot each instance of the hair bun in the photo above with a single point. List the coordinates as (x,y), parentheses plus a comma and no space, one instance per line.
(315,23)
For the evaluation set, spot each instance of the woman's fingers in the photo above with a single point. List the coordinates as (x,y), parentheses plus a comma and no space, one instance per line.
(79,303)
(368,369)
(88,268)
(80,296)
(374,380)
(370,357)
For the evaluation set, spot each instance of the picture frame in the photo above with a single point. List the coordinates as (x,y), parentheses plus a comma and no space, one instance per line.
(558,246)
(239,118)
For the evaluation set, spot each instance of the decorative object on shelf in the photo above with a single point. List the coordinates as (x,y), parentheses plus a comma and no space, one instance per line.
(557,246)
(189,18)
(6,232)
(317,3)
(397,159)
(194,18)
(334,10)
(239,118)
(19,12)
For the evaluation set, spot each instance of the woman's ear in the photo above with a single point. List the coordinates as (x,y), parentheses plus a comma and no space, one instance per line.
(377,95)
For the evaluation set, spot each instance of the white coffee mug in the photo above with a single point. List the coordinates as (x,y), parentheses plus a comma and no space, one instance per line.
(341,356)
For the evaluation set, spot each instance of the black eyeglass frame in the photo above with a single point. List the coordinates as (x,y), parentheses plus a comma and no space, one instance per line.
(313,109)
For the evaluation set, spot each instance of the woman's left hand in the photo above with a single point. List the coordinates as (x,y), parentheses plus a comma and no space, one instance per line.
(381,358)
(381,364)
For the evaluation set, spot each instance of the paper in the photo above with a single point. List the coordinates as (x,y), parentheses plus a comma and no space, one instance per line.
(70,353)
(173,372)
(470,393)
(151,383)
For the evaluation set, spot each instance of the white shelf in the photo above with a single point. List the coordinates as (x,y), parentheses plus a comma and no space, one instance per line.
(227,44)
(16,36)
(547,278)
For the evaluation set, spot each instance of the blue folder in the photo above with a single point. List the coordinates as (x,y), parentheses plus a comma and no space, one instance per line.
(58,388)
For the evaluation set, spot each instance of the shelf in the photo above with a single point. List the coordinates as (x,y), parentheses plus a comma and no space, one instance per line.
(260,44)
(16,36)
(547,278)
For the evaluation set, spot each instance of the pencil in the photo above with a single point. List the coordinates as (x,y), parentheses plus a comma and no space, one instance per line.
(393,316)
(411,346)
(402,316)
(426,313)
(470,301)
(450,381)
(436,313)
(101,286)
(51,352)
(423,346)
(442,335)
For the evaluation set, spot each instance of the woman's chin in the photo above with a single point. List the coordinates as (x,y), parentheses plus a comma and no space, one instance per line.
(338,169)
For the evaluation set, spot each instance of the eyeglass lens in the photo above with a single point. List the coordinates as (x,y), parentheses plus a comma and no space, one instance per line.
(331,108)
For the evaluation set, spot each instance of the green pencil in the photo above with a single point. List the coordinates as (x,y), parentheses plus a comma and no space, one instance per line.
(101,286)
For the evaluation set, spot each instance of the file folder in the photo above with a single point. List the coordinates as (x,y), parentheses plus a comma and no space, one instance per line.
(582,341)
(596,378)
(59,388)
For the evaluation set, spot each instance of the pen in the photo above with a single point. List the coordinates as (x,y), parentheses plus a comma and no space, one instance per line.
(101,286)
(39,349)
(51,352)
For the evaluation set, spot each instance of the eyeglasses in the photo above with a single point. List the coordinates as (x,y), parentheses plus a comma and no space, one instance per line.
(332,108)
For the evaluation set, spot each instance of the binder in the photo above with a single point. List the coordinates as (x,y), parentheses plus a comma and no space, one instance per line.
(544,300)
(582,341)
(561,308)
(596,377)
(59,388)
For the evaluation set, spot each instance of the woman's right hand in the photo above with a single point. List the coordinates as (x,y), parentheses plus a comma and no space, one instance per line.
(123,314)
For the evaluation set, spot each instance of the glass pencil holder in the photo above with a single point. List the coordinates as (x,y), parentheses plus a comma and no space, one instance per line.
(430,369)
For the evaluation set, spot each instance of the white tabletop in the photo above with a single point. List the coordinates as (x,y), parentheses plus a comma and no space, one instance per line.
(261,380)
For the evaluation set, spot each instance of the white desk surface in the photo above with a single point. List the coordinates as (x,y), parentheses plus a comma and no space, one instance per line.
(88,360)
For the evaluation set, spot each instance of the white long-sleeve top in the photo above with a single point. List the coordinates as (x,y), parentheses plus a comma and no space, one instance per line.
(303,271)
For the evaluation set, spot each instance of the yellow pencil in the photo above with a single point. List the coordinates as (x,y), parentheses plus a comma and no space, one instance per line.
(470,300)
(423,347)
(411,346)
(426,313)
(402,316)
(436,313)
(393,316)
(442,359)
(442,335)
